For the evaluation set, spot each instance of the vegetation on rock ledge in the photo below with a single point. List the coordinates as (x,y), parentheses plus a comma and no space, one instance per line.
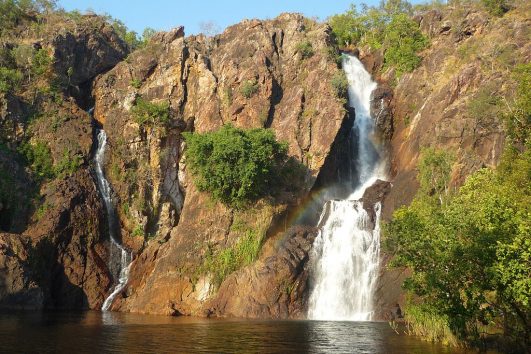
(235,165)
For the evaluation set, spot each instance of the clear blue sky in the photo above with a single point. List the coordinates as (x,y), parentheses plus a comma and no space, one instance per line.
(166,14)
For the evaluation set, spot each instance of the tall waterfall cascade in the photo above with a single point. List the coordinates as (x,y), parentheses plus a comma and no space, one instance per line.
(120,258)
(345,254)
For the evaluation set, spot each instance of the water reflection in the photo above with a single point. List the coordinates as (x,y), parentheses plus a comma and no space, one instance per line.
(96,332)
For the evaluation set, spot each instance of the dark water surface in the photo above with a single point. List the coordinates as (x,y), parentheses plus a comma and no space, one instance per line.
(96,332)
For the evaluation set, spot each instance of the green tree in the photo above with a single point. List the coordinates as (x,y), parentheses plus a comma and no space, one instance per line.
(9,79)
(151,114)
(470,256)
(402,40)
(235,165)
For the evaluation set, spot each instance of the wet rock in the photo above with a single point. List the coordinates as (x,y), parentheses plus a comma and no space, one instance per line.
(382,111)
(376,193)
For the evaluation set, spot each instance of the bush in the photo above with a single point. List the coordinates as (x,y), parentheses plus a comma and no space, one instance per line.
(9,79)
(39,159)
(340,84)
(236,166)
(68,164)
(306,49)
(435,167)
(146,113)
(219,264)
(249,88)
(41,62)
(496,7)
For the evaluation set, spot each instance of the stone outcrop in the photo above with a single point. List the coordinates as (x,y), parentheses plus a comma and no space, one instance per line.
(203,81)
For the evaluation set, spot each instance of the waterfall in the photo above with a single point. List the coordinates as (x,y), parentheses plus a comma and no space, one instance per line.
(120,258)
(345,254)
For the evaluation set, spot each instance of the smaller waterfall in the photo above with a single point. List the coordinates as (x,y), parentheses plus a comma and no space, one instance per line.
(118,266)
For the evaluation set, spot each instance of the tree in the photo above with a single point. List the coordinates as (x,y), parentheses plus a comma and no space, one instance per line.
(209,28)
(236,166)
(147,34)
(470,257)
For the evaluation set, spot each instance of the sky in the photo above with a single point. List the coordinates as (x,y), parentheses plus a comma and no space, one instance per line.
(166,14)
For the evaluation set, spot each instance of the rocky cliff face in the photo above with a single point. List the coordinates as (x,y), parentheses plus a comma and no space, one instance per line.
(204,81)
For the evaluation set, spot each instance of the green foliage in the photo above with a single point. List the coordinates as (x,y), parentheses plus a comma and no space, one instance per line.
(219,264)
(389,27)
(425,321)
(485,105)
(518,120)
(435,167)
(470,256)
(41,62)
(10,14)
(305,48)
(147,34)
(346,28)
(340,84)
(138,231)
(249,88)
(68,164)
(14,12)
(235,165)
(136,83)
(496,7)
(39,159)
(9,79)
(150,114)
(403,39)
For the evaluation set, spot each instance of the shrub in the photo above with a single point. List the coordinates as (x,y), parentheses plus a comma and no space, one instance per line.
(249,88)
(340,84)
(219,264)
(235,165)
(435,167)
(68,164)
(136,83)
(9,79)
(485,105)
(41,62)
(496,7)
(39,159)
(146,113)
(306,49)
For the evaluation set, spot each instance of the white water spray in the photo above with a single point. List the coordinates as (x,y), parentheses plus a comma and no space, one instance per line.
(116,250)
(347,249)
